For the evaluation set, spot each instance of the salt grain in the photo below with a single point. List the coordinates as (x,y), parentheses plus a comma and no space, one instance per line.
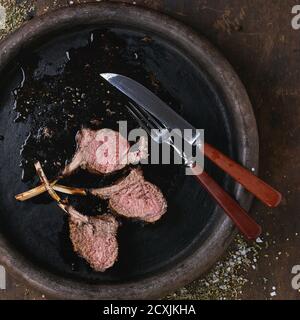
(259,240)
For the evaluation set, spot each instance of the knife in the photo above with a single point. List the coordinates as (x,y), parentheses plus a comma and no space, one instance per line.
(148,101)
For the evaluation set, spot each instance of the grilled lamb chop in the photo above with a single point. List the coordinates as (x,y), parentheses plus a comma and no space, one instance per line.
(104,151)
(93,238)
(134,197)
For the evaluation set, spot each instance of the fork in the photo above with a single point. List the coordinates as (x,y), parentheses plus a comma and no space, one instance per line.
(156,130)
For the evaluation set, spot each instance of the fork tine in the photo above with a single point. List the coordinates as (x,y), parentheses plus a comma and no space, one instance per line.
(149,118)
(139,121)
(141,115)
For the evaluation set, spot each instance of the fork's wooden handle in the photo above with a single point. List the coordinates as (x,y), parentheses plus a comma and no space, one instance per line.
(252,183)
(237,214)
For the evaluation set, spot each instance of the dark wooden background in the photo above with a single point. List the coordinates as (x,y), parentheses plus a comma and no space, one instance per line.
(257,38)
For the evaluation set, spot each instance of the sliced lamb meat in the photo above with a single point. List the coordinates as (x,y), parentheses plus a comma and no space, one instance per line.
(93,238)
(104,151)
(134,197)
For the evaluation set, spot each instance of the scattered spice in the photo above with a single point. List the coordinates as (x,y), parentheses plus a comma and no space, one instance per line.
(226,280)
(16,14)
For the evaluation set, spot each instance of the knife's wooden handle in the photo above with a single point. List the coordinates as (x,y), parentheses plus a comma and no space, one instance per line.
(238,215)
(252,183)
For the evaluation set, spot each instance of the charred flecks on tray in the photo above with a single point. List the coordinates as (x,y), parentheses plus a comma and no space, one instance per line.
(59,105)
